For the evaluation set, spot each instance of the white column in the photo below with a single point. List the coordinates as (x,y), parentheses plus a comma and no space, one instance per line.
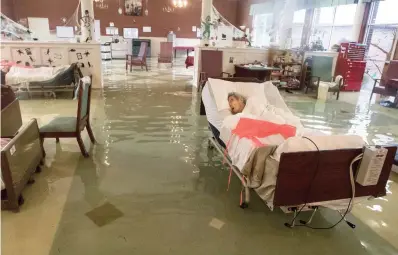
(87,23)
(207,6)
(360,11)
(286,24)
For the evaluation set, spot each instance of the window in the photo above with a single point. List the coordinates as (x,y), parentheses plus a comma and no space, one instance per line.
(262,25)
(297,28)
(386,12)
(325,15)
(333,24)
(380,34)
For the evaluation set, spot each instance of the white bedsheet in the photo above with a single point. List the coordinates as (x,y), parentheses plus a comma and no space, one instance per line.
(18,74)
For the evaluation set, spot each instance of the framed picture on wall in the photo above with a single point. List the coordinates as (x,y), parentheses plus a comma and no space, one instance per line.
(133,7)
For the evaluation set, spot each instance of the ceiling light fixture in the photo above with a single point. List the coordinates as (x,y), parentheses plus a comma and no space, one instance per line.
(120,11)
(180,3)
(146,8)
(101,4)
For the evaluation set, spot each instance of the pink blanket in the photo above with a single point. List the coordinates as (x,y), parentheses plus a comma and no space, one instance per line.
(253,129)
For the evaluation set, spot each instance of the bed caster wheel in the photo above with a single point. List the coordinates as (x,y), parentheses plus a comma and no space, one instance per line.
(21,200)
(31,181)
(244,205)
(38,169)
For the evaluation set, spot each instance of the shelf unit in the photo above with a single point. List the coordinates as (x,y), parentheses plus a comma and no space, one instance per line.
(287,77)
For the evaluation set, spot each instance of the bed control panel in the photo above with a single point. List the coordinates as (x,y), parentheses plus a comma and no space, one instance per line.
(371,165)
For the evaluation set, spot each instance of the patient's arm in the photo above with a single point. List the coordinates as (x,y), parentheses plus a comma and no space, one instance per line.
(254,106)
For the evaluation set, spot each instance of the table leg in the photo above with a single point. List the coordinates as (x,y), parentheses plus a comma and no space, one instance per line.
(187,52)
(175,53)
(396,100)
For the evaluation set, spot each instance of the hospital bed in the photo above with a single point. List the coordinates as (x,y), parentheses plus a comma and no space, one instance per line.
(300,180)
(44,79)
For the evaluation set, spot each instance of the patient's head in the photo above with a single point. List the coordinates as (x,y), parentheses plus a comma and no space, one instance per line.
(236,102)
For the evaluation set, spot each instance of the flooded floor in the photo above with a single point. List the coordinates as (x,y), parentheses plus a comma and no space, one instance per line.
(151,186)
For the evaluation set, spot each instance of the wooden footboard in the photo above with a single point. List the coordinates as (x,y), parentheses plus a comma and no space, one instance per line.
(19,160)
(296,184)
(11,119)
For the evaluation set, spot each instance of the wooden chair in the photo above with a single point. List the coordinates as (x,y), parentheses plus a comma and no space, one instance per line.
(384,88)
(166,53)
(70,127)
(140,60)
(312,82)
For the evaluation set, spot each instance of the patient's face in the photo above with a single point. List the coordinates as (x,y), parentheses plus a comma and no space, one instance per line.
(235,104)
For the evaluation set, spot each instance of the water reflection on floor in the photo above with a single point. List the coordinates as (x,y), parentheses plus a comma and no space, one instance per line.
(152,187)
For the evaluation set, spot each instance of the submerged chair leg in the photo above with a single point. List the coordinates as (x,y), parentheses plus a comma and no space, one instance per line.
(42,146)
(90,132)
(81,145)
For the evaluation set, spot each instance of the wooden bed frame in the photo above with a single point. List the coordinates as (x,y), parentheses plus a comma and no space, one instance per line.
(20,159)
(21,156)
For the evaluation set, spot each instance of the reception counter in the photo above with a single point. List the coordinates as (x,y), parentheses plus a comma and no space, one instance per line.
(55,54)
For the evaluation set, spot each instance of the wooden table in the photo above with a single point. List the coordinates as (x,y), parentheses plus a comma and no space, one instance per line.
(261,73)
(188,48)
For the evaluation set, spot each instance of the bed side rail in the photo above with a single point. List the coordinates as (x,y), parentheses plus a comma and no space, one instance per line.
(332,181)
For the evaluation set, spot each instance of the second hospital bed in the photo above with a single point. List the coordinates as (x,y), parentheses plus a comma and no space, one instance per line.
(303,179)
(44,78)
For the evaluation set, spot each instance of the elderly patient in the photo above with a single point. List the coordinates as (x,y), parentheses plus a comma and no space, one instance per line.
(239,104)
(236,102)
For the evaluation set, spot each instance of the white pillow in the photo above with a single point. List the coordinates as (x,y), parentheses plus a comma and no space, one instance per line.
(220,90)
